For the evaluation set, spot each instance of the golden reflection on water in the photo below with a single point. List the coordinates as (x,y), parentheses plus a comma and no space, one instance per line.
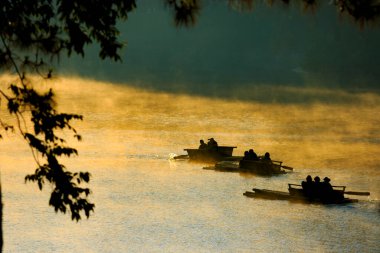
(295,132)
(306,135)
(129,134)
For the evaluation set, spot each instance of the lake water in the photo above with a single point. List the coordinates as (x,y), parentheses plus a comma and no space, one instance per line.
(146,202)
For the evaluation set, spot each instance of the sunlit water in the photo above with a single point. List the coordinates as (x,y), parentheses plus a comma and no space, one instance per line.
(146,202)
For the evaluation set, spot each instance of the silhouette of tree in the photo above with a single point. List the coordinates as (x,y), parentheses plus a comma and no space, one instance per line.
(362,11)
(32,35)
(35,33)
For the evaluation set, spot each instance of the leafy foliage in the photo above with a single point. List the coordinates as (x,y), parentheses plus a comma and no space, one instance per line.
(46,28)
(185,11)
(47,146)
(34,33)
(362,11)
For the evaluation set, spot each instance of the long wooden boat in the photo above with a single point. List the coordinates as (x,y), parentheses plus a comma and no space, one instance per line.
(296,194)
(259,167)
(262,167)
(210,155)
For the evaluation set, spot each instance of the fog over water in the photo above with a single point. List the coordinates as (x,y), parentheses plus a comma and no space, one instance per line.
(146,202)
(304,87)
(229,53)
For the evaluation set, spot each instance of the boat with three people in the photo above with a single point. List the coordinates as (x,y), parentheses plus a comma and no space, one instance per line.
(260,165)
(298,193)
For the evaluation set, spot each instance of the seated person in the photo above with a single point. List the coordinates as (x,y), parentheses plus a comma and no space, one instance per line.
(307,186)
(246,155)
(267,157)
(316,189)
(202,145)
(326,189)
(212,144)
(252,155)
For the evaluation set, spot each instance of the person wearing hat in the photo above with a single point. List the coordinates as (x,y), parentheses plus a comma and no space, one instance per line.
(326,189)
(326,180)
(326,184)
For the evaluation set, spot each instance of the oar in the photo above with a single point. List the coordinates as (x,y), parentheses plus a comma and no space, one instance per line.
(286,167)
(357,193)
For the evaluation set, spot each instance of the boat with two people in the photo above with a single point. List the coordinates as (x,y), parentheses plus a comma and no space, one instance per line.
(208,152)
(309,191)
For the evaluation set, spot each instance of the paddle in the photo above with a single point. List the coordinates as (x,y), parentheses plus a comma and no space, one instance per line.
(286,167)
(357,193)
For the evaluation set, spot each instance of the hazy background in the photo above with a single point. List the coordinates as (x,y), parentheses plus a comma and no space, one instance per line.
(303,86)
(230,53)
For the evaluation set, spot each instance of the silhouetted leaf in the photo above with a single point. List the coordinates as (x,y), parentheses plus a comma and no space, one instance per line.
(13,106)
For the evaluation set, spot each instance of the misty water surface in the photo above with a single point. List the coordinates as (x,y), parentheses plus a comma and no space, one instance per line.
(146,202)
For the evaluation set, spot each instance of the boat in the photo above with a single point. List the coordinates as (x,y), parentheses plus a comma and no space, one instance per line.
(295,193)
(259,167)
(262,167)
(208,155)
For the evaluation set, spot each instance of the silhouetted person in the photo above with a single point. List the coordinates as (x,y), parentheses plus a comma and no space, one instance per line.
(202,145)
(252,155)
(307,186)
(317,187)
(246,155)
(245,158)
(212,144)
(326,189)
(326,184)
(267,157)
